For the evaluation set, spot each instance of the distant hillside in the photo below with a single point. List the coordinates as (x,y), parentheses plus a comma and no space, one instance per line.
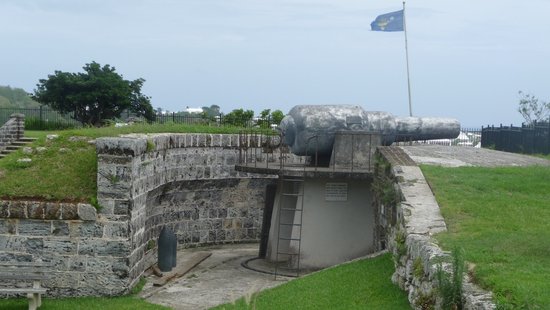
(16,98)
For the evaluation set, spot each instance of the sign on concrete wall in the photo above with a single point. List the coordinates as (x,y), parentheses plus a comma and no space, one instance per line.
(336,192)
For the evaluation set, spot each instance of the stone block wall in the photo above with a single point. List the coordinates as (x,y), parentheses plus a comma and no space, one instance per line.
(185,181)
(12,130)
(88,252)
(409,226)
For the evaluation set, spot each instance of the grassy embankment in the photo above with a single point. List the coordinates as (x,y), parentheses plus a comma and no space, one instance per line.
(67,169)
(501,218)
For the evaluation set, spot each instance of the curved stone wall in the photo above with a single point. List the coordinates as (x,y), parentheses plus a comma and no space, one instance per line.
(184,181)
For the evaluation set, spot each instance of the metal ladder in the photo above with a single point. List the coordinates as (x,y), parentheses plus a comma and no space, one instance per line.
(291,189)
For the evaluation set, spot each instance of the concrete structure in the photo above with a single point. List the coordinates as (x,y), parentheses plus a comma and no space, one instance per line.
(333,229)
(322,215)
(323,211)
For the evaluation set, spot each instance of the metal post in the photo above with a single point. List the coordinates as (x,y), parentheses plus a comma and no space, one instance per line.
(407,57)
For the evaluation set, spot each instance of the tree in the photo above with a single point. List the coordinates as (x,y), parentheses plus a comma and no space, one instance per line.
(268,118)
(239,118)
(211,112)
(277,116)
(96,95)
(532,109)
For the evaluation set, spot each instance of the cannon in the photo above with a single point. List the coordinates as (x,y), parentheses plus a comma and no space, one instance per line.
(322,122)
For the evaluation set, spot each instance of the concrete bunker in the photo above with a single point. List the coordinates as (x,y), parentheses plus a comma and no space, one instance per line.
(323,208)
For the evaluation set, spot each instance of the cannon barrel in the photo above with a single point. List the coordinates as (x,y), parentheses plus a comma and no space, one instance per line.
(310,129)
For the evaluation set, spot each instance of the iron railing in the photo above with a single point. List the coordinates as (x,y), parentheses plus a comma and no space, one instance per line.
(44,118)
(528,139)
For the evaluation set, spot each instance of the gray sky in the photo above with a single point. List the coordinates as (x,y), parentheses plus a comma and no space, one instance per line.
(468,59)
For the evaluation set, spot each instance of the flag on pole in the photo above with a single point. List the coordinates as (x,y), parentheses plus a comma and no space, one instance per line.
(388,22)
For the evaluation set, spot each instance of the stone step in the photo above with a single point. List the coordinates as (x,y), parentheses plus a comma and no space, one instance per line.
(13,147)
(16,145)
(27,139)
(20,143)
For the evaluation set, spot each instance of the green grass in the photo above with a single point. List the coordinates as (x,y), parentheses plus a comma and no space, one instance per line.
(99,303)
(129,302)
(501,218)
(67,169)
(363,284)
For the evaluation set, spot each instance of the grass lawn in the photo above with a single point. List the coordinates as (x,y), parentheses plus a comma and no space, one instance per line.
(129,302)
(67,169)
(501,218)
(87,303)
(362,284)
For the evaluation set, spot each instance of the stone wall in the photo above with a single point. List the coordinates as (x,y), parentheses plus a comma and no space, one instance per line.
(185,181)
(12,130)
(408,226)
(87,250)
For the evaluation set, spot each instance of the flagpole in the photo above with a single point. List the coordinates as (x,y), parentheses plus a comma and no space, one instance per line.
(407,56)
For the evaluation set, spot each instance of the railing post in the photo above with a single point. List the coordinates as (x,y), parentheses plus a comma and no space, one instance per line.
(41,119)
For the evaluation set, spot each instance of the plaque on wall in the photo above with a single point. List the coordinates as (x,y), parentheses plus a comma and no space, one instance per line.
(336,192)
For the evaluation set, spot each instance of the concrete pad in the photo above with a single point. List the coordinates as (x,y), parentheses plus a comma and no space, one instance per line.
(457,156)
(217,280)
(185,264)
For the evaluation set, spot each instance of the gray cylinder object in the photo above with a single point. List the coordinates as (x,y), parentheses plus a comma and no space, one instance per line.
(310,129)
(165,250)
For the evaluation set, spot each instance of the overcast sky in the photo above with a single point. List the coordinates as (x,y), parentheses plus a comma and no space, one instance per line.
(468,59)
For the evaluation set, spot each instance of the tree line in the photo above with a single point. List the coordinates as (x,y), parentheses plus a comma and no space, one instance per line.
(100,94)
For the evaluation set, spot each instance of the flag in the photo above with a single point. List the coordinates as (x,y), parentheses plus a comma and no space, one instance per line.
(388,22)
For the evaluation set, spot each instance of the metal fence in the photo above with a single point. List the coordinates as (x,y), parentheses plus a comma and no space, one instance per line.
(466,137)
(45,118)
(527,139)
(40,118)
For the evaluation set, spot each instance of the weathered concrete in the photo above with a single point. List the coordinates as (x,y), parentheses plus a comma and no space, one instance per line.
(331,231)
(219,279)
(457,156)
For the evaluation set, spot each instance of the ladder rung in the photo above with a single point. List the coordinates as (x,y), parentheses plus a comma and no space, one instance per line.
(292,195)
(293,239)
(290,224)
(293,180)
(290,209)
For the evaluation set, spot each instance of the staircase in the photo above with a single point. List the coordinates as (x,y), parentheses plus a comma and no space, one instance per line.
(16,145)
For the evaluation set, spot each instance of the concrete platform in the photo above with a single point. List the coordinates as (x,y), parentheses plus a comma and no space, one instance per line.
(458,156)
(217,280)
